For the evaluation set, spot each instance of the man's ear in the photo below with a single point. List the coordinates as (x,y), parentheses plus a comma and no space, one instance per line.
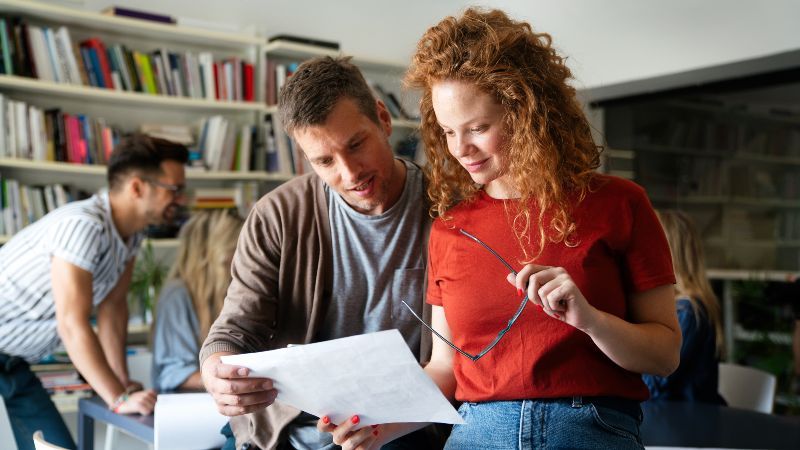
(384,117)
(135,185)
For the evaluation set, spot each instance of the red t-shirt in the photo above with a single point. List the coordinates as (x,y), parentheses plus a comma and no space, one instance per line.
(621,250)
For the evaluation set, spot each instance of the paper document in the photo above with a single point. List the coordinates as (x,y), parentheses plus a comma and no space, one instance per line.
(187,422)
(373,375)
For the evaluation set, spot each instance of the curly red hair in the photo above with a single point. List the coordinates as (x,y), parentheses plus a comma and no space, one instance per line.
(551,154)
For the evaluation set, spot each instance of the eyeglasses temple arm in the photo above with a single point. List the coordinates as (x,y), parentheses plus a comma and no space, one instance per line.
(490,249)
(446,341)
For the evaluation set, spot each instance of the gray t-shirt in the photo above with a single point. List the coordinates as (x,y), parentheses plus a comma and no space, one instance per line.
(377,262)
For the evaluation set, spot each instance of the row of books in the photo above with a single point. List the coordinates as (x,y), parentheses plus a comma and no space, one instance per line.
(49,54)
(59,376)
(788,226)
(279,72)
(241,195)
(393,104)
(276,76)
(21,204)
(226,145)
(755,182)
(30,132)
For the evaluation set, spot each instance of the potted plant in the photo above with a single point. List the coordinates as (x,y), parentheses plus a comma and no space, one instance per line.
(148,276)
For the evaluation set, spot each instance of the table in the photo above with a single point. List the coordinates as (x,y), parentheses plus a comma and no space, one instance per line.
(693,424)
(94,408)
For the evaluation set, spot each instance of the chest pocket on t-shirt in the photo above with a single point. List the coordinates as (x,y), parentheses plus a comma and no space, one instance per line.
(407,286)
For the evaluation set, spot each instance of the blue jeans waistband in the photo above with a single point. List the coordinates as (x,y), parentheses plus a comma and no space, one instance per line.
(624,405)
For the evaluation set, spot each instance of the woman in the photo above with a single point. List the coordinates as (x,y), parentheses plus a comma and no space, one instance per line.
(192,298)
(699,317)
(512,163)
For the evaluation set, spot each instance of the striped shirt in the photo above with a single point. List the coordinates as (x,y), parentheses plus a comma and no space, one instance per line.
(81,233)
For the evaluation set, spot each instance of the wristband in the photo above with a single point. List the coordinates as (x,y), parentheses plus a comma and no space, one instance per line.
(120,400)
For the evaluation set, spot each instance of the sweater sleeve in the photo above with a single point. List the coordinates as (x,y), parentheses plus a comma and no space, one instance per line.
(248,319)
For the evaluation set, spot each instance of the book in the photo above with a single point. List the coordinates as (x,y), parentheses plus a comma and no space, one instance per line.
(304,40)
(6,58)
(137,14)
(100,57)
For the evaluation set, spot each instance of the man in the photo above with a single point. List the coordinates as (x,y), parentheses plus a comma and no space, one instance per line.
(326,255)
(81,256)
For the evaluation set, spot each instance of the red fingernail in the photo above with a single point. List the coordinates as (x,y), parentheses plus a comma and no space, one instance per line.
(355,419)
(326,420)
(375,433)
(520,293)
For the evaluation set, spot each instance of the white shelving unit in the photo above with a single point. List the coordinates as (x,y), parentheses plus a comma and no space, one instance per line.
(292,51)
(124,109)
(15,84)
(57,170)
(126,26)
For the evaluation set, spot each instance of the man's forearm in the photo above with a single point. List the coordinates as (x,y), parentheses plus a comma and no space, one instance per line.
(112,331)
(87,355)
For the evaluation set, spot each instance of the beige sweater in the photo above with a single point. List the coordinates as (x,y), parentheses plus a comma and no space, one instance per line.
(282,279)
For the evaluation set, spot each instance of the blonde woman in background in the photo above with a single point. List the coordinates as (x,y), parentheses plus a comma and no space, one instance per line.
(699,316)
(192,297)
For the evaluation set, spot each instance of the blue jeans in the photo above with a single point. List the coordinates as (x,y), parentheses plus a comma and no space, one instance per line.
(551,424)
(29,406)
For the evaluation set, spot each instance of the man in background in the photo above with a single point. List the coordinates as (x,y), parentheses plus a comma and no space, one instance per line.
(79,257)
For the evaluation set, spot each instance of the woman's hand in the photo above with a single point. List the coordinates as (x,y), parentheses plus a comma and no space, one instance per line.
(553,289)
(349,436)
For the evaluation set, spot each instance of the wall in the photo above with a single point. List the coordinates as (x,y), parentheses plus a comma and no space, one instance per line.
(608,41)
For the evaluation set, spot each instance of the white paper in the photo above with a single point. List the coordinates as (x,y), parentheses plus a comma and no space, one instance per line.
(373,375)
(188,422)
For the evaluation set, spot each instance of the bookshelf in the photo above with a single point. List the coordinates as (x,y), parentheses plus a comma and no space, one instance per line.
(56,169)
(15,84)
(734,168)
(723,145)
(127,27)
(279,56)
(127,107)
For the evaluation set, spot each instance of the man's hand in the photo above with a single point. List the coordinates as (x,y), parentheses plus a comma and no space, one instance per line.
(141,402)
(234,392)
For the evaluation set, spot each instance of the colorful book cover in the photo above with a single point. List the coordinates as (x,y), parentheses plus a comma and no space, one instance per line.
(102,59)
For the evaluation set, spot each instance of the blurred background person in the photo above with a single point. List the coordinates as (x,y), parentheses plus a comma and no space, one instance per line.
(699,315)
(192,297)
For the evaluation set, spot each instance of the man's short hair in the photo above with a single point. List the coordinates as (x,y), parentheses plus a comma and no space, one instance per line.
(315,88)
(140,154)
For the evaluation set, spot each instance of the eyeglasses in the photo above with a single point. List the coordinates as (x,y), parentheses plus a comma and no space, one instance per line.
(176,189)
(502,332)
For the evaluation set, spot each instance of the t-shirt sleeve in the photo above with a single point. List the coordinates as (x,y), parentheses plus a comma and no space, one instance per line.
(175,345)
(433,295)
(647,256)
(78,241)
